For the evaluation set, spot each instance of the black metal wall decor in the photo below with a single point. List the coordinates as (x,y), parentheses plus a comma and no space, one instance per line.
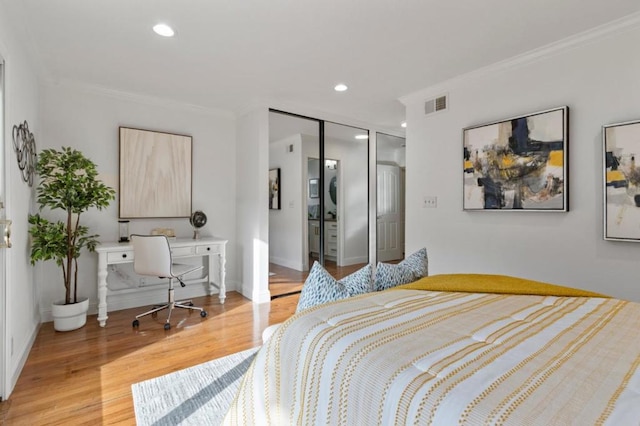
(25,147)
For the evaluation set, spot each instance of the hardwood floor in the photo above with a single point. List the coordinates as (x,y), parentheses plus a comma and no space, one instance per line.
(85,376)
(285,281)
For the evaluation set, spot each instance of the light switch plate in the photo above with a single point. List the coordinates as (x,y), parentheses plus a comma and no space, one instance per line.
(430,201)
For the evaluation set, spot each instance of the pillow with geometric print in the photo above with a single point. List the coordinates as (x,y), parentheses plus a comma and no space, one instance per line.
(410,269)
(320,287)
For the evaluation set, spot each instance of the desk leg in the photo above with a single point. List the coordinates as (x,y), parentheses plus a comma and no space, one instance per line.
(223,286)
(102,289)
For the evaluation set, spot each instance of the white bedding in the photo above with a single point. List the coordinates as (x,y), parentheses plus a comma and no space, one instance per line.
(423,357)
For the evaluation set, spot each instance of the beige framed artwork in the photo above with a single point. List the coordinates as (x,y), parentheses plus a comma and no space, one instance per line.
(155,174)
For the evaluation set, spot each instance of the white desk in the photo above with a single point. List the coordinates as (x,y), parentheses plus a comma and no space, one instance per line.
(110,253)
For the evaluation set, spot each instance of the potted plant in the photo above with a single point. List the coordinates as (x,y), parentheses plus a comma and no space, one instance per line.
(67,181)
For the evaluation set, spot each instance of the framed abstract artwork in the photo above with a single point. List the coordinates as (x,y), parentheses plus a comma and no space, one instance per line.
(621,175)
(274,189)
(517,164)
(155,174)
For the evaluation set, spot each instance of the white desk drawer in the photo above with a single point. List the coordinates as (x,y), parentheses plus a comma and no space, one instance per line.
(120,256)
(332,236)
(182,251)
(331,225)
(213,249)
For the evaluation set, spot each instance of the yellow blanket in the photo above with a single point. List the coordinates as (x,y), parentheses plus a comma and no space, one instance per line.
(482,283)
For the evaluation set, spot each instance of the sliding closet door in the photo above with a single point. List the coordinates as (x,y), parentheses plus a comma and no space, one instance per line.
(390,173)
(321,209)
(346,196)
(294,191)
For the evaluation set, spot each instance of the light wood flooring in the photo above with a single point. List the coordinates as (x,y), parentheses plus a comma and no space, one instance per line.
(285,281)
(85,376)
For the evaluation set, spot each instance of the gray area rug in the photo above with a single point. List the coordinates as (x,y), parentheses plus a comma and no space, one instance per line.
(198,395)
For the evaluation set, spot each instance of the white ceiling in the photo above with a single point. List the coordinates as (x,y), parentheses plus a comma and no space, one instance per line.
(228,54)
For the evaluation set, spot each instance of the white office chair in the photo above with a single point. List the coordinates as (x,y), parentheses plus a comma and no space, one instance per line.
(152,256)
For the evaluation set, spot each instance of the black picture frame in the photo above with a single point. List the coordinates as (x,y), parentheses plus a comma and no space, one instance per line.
(274,189)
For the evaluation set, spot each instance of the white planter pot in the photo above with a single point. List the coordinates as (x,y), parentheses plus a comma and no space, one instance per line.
(69,317)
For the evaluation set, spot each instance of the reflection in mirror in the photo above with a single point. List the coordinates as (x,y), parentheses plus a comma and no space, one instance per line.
(324,200)
(290,139)
(390,216)
(346,200)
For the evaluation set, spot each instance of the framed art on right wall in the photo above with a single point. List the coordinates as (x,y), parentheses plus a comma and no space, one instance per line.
(621,175)
(517,164)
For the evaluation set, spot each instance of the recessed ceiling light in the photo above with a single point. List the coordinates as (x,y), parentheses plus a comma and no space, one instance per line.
(404,124)
(340,87)
(362,136)
(164,30)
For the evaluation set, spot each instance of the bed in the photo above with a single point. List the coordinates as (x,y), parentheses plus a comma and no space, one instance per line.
(451,349)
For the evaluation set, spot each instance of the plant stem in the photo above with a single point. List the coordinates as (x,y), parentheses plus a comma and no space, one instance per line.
(67,280)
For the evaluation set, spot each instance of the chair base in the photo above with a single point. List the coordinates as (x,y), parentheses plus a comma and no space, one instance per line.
(170,305)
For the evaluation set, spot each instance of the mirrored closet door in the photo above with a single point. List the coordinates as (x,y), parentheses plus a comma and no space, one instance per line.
(346,196)
(292,140)
(390,217)
(320,210)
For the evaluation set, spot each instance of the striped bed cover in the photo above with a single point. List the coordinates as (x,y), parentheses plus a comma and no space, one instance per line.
(447,358)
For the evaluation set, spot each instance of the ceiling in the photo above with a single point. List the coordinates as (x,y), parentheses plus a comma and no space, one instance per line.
(229,54)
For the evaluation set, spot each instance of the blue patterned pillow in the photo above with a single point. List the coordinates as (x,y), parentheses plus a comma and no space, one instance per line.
(412,268)
(320,287)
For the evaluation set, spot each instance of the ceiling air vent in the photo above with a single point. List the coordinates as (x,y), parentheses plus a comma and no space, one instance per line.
(435,105)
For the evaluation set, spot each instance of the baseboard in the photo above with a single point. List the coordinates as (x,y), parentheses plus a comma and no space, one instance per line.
(261,297)
(287,263)
(354,260)
(15,374)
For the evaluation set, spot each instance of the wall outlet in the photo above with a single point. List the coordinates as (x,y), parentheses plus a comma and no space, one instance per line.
(430,202)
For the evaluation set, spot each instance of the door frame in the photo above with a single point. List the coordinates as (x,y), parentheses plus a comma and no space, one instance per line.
(4,188)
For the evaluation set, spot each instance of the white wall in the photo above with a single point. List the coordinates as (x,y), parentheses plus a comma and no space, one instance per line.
(598,78)
(354,197)
(286,226)
(390,155)
(88,120)
(252,198)
(22,318)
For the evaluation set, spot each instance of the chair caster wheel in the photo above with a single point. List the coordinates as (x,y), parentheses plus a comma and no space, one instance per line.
(203,314)
(135,323)
(167,326)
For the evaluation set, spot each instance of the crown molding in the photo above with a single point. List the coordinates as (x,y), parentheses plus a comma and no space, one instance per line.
(600,32)
(138,98)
